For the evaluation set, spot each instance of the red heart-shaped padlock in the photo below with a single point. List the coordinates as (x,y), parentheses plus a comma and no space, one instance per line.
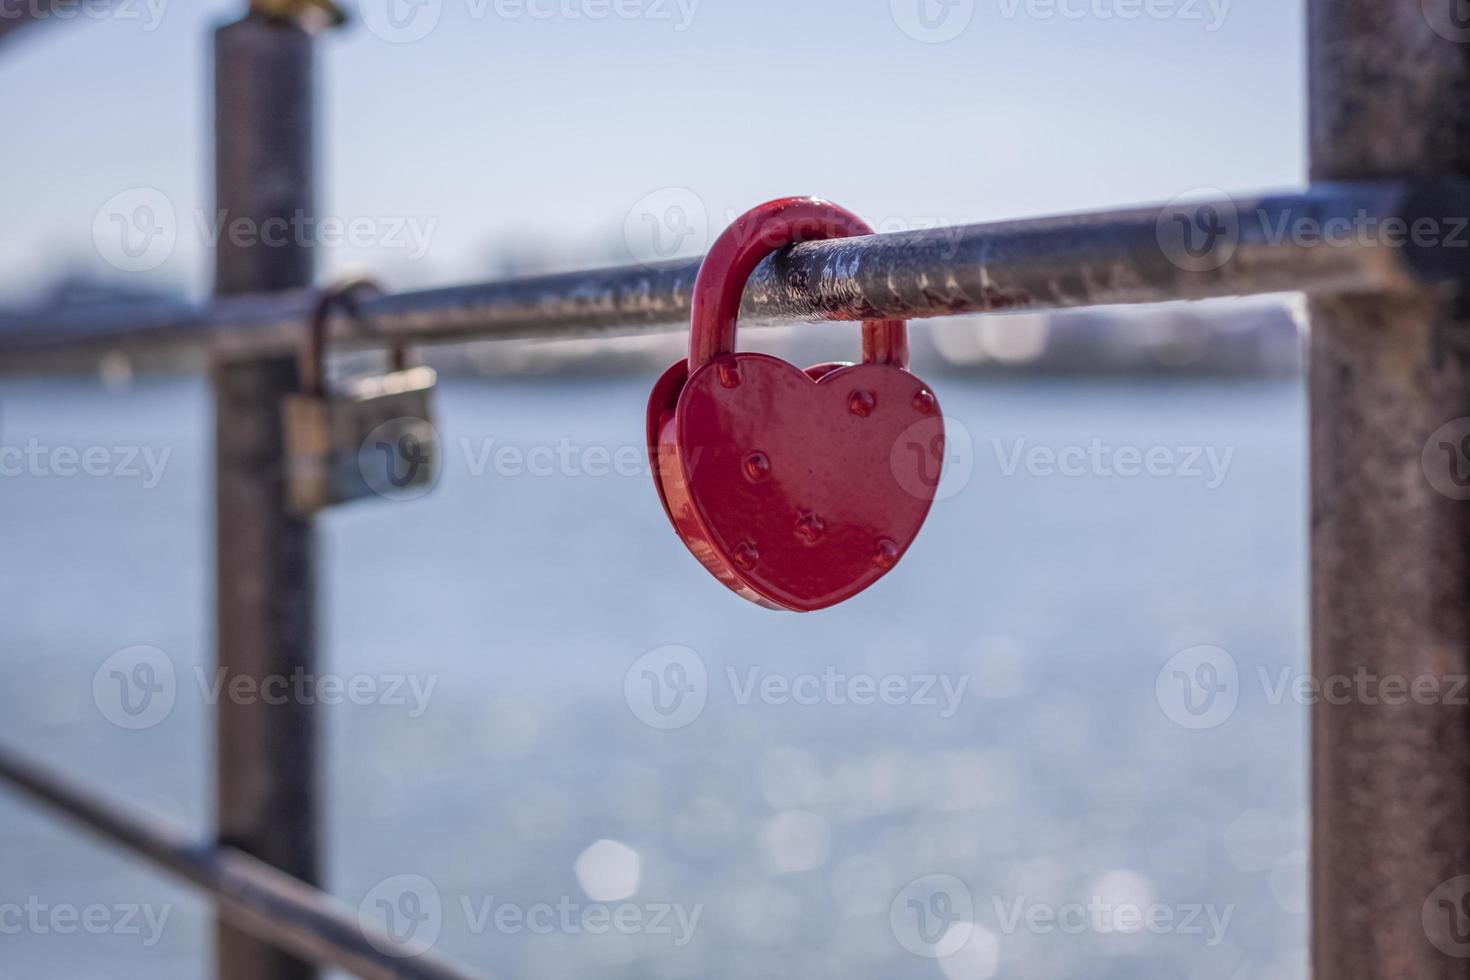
(797,489)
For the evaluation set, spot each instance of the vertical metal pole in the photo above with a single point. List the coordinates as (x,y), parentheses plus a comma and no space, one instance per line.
(267,785)
(1390,95)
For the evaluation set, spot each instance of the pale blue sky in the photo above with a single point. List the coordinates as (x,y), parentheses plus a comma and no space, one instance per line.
(545,132)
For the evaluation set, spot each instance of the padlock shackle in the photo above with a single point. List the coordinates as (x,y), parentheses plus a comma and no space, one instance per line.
(311,361)
(720,285)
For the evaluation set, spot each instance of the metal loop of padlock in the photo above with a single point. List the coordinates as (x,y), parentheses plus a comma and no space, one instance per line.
(796,489)
(720,285)
(374,436)
(311,361)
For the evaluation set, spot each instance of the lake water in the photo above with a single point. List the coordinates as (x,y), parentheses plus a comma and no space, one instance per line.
(1036,767)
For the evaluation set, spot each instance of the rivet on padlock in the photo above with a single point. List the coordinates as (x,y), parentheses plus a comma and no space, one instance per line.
(797,489)
(373,436)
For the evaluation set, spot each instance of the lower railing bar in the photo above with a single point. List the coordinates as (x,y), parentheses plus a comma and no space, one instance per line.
(251,895)
(1331,239)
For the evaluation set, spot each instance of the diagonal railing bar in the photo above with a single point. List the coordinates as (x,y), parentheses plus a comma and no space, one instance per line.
(250,894)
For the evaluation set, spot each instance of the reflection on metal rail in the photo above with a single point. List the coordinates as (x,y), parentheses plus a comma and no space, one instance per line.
(1262,245)
(249,894)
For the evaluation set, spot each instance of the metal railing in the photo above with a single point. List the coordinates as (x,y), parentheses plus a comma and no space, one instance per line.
(1389,363)
(1067,261)
(249,894)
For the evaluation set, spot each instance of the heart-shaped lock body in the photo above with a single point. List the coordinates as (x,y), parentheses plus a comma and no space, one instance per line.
(797,489)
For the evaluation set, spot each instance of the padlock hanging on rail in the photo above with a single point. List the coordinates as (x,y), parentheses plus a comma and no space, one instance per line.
(796,489)
(373,436)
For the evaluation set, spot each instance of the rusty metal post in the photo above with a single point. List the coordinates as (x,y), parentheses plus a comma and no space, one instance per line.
(266,755)
(1390,95)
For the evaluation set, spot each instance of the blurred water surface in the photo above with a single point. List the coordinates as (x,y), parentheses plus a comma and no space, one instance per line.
(1061,774)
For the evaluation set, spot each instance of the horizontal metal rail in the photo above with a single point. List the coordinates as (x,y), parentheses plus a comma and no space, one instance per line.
(251,895)
(1263,245)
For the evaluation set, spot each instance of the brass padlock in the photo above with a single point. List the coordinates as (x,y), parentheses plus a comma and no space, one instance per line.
(370,437)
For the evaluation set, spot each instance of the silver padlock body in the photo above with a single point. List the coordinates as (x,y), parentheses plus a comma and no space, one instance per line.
(373,438)
(384,443)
